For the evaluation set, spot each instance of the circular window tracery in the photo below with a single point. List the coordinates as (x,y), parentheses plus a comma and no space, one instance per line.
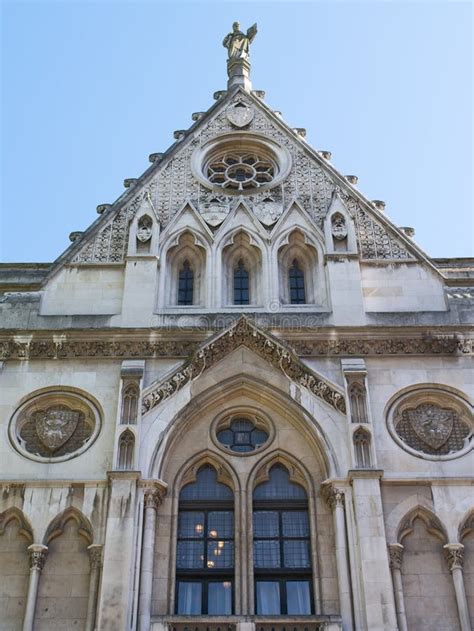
(55,425)
(240,171)
(242,431)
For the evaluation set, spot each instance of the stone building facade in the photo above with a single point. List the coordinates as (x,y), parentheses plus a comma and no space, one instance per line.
(240,401)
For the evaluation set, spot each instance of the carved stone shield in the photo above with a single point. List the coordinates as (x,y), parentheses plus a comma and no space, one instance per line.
(432,424)
(268,212)
(240,114)
(215,213)
(56,425)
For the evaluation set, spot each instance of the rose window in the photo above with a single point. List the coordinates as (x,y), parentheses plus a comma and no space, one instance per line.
(240,172)
(242,436)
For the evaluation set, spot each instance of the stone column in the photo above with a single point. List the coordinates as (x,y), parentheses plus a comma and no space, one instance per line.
(395,551)
(37,558)
(152,500)
(455,557)
(335,498)
(95,558)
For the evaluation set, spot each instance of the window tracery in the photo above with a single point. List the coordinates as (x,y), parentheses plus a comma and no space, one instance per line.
(186,272)
(242,272)
(362,440)
(358,403)
(130,404)
(298,263)
(126,451)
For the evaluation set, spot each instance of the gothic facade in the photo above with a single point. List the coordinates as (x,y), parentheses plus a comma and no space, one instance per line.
(240,401)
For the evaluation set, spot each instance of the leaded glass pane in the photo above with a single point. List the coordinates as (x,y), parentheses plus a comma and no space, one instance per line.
(296,279)
(241,425)
(220,554)
(241,284)
(185,285)
(258,437)
(190,524)
(220,524)
(265,524)
(296,554)
(219,599)
(206,487)
(295,523)
(190,555)
(189,598)
(266,554)
(298,600)
(279,487)
(268,598)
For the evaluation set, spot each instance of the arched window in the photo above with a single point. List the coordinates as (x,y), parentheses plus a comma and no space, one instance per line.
(362,449)
(358,401)
(126,450)
(296,281)
(281,547)
(185,284)
(205,547)
(130,405)
(241,284)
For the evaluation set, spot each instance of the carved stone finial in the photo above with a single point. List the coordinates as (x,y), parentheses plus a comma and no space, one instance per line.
(325,154)
(379,204)
(395,551)
(155,157)
(238,53)
(103,208)
(75,236)
(197,115)
(410,232)
(220,94)
(352,179)
(37,554)
(454,555)
(260,94)
(301,131)
(130,181)
(95,556)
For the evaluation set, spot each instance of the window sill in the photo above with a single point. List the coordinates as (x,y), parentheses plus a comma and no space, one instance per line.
(261,623)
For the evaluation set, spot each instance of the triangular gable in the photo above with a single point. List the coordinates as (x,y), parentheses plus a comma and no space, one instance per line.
(169,183)
(244,333)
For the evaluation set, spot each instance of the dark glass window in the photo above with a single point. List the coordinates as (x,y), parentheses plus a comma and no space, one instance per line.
(242,436)
(185,284)
(281,547)
(296,279)
(241,284)
(205,547)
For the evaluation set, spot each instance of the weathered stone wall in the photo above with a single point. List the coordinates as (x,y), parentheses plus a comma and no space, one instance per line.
(14,574)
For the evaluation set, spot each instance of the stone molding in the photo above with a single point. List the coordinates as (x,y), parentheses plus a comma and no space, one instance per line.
(454,555)
(395,553)
(244,333)
(109,348)
(37,554)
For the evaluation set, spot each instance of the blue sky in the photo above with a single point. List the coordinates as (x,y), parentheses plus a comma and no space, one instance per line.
(89,89)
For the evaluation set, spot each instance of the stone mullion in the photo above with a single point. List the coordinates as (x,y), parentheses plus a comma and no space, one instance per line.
(95,558)
(395,551)
(37,554)
(455,559)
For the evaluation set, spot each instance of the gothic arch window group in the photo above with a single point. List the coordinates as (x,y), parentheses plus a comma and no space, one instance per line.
(208,510)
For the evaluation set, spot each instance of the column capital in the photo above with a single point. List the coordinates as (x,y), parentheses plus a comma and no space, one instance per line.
(37,552)
(153,492)
(395,553)
(454,553)
(95,555)
(333,495)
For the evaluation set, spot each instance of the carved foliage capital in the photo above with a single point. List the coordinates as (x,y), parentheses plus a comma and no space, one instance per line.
(37,554)
(395,552)
(334,496)
(454,555)
(153,497)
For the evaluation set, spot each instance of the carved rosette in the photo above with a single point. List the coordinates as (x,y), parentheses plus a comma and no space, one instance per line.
(454,553)
(95,556)
(37,557)
(395,552)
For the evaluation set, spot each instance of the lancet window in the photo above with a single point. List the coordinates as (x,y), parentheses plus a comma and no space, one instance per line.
(130,405)
(205,547)
(281,547)
(358,403)
(185,284)
(241,284)
(296,282)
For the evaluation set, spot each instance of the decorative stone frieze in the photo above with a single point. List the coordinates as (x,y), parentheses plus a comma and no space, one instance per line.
(454,553)
(244,333)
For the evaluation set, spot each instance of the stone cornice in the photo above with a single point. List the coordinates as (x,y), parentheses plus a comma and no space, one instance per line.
(134,343)
(245,333)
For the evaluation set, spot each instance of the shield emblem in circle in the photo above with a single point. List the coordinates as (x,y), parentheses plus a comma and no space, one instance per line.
(55,426)
(432,424)
(240,114)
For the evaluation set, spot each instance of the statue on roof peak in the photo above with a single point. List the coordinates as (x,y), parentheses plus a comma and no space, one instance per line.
(238,43)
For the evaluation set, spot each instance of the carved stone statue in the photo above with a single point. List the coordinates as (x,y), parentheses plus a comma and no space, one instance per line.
(238,43)
(338,227)
(145,229)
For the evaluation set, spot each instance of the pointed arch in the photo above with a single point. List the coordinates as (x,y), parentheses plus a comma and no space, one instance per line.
(56,526)
(188,472)
(183,248)
(241,255)
(126,450)
(130,395)
(297,249)
(466,526)
(296,471)
(432,523)
(15,514)
(362,442)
